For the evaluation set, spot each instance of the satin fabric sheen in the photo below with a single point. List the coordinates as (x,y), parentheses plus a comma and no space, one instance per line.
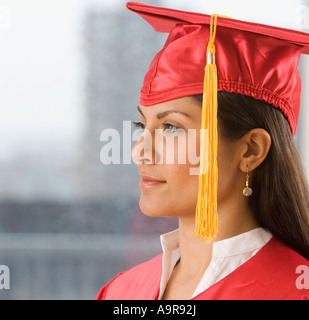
(269,275)
(256,66)
(252,59)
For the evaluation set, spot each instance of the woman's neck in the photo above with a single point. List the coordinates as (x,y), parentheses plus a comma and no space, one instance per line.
(195,252)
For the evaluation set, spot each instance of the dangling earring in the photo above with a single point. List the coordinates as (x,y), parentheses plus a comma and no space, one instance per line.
(247,191)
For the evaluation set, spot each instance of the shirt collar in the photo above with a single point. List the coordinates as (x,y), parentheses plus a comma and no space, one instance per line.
(170,240)
(244,242)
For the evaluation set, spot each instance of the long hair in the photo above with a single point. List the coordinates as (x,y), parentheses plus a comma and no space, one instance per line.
(280,200)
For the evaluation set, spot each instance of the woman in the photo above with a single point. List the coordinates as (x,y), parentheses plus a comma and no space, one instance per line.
(257,230)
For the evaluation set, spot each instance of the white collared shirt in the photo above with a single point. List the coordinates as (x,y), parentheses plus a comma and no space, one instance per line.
(227,255)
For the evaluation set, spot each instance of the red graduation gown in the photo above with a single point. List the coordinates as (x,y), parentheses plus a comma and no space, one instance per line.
(268,275)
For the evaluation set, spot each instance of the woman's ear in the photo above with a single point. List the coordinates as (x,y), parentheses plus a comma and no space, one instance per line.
(255,146)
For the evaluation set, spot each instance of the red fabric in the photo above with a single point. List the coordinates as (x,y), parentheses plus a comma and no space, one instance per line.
(139,283)
(252,59)
(269,275)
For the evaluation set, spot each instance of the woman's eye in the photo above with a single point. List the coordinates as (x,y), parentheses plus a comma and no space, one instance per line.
(171,128)
(139,125)
(167,127)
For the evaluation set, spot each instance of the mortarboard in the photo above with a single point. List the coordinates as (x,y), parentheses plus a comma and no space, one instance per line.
(252,59)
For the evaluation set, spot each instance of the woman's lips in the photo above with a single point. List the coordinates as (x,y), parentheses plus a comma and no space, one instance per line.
(149,182)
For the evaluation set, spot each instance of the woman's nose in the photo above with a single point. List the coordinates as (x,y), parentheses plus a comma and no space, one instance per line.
(143,151)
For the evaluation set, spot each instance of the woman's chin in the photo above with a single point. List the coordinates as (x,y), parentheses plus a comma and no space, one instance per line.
(155,208)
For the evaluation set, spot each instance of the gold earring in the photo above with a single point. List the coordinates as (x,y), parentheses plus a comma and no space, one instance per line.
(247,191)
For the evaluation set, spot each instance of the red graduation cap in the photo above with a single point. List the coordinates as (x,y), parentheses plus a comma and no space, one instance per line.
(252,59)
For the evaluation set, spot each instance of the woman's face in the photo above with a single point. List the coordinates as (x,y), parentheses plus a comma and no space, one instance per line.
(167,158)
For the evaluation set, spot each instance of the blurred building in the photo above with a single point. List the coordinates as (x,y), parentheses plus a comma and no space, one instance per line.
(119,48)
(68,247)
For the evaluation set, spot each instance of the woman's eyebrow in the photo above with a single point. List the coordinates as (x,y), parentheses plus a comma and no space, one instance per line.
(164,113)
(140,111)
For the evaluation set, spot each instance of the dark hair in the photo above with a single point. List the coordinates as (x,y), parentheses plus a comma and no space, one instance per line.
(280,200)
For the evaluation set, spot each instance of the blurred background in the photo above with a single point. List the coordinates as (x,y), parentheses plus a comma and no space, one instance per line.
(69,70)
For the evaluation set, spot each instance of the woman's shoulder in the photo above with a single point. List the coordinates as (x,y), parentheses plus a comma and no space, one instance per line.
(279,268)
(271,274)
(140,282)
(280,252)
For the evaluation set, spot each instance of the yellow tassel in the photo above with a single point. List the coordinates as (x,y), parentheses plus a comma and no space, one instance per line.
(206,218)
